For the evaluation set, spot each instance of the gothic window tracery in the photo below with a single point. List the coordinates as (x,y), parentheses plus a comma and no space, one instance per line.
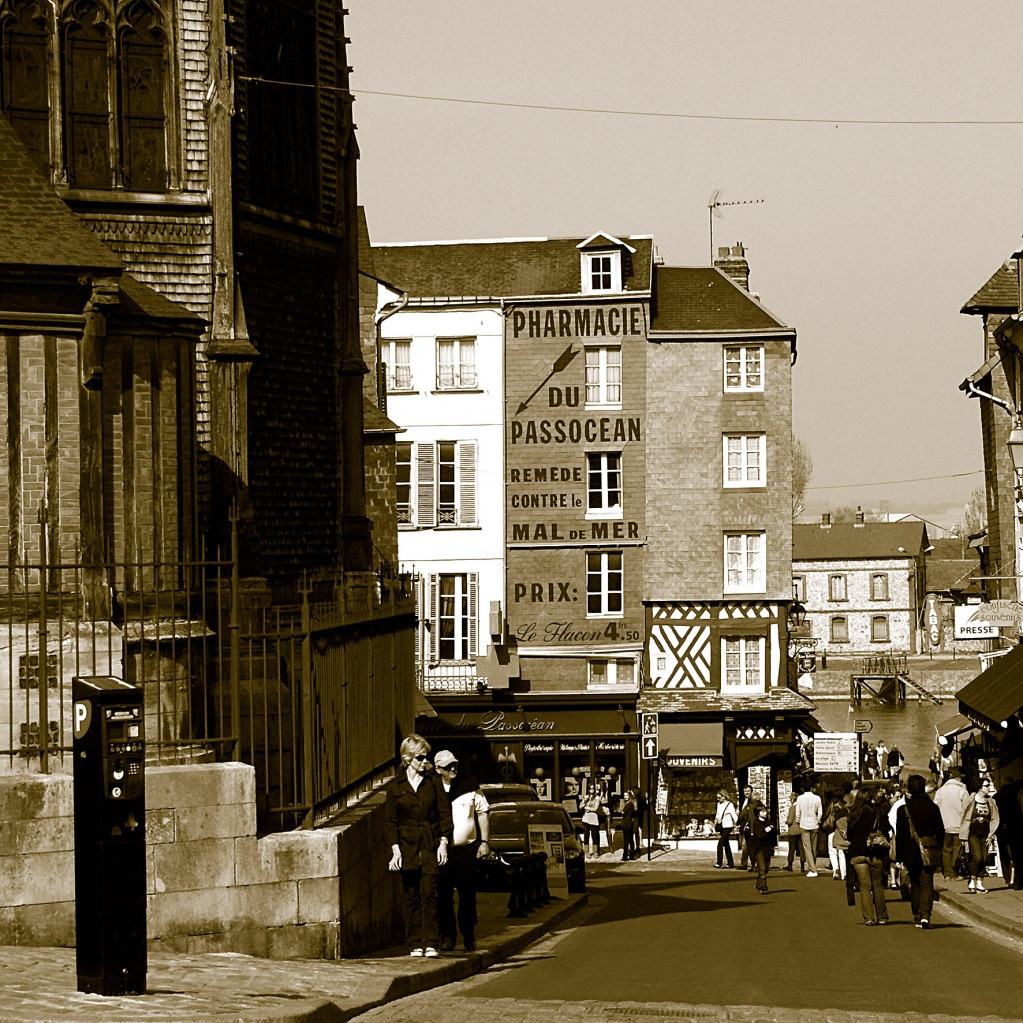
(141,71)
(25,30)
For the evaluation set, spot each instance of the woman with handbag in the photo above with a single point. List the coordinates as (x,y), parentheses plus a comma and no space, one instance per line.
(869,852)
(980,822)
(591,820)
(919,837)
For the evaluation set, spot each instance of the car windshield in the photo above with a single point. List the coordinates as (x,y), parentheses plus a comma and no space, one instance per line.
(514,820)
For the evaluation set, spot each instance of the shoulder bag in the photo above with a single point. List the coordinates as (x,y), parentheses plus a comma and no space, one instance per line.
(877,840)
(930,847)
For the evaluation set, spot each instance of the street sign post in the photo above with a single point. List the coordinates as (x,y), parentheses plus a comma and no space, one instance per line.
(863,726)
(648,751)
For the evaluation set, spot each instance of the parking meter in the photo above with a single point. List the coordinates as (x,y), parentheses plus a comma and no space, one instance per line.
(110,839)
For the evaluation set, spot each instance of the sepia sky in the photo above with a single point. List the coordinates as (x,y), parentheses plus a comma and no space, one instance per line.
(870,236)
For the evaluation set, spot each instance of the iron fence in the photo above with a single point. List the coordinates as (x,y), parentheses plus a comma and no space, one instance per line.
(308,693)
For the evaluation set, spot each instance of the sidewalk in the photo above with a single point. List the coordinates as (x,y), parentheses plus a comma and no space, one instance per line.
(40,984)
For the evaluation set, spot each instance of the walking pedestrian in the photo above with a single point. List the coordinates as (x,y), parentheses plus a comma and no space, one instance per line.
(417,824)
(809,812)
(837,812)
(793,832)
(953,800)
(591,820)
(743,826)
(630,826)
(896,799)
(919,836)
(724,820)
(763,837)
(470,816)
(881,752)
(895,762)
(869,852)
(980,822)
(1010,831)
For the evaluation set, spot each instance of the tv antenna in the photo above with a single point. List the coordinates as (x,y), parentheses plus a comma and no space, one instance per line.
(714,205)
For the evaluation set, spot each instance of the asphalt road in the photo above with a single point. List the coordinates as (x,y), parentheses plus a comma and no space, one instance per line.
(708,938)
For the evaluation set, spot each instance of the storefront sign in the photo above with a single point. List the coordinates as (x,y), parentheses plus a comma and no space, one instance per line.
(981,621)
(538,747)
(610,746)
(696,761)
(574,747)
(581,321)
(525,721)
(836,751)
(932,618)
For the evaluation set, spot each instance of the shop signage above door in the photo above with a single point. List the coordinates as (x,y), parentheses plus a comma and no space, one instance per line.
(526,721)
(695,761)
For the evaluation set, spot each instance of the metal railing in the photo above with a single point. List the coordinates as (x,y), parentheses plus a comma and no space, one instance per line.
(307,693)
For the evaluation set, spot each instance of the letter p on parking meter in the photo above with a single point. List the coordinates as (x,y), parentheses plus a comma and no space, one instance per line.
(110,836)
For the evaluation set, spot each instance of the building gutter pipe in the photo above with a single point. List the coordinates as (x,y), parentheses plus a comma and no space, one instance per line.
(384,313)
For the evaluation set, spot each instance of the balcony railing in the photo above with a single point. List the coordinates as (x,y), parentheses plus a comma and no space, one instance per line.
(449,677)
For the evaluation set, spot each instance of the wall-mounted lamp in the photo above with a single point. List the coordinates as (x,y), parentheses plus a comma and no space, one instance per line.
(526,726)
(626,727)
(796,615)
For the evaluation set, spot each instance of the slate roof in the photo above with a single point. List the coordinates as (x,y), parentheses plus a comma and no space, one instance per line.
(996,693)
(698,299)
(952,575)
(711,701)
(845,541)
(500,268)
(374,421)
(999,294)
(138,299)
(36,227)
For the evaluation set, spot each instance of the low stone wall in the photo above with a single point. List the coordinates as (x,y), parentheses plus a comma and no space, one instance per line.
(212,885)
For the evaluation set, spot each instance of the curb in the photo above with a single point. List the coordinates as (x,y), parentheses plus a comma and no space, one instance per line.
(445,972)
(971,908)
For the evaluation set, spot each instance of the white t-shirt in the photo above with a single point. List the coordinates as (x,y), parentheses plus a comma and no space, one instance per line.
(464,810)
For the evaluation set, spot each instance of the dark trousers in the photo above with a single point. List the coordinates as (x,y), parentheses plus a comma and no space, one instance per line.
(458,875)
(950,853)
(762,859)
(796,845)
(725,846)
(978,856)
(921,892)
(630,840)
(420,908)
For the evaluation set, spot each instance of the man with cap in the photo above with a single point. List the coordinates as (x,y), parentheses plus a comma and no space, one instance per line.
(471,818)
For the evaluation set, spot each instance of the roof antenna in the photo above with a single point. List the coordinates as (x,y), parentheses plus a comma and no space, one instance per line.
(713,205)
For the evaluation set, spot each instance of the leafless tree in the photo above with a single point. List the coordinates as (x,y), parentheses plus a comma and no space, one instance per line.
(974,516)
(802,474)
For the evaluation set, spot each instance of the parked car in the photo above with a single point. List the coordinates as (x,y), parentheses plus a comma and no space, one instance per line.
(509,837)
(510,793)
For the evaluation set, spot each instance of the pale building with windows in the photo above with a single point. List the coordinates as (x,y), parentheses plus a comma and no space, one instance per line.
(445,384)
(862,584)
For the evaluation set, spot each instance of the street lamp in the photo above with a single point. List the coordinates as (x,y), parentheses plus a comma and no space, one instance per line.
(797,612)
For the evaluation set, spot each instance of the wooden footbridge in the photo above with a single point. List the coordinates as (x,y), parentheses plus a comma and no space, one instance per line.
(885,677)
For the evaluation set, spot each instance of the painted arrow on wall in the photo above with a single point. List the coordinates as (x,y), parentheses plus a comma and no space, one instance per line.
(559,364)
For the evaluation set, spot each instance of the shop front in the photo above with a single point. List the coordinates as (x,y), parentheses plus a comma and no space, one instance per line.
(561,751)
(700,753)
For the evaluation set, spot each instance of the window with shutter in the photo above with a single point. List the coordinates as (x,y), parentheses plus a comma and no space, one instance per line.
(456,626)
(426,466)
(467,483)
(433,633)
(403,481)
(474,585)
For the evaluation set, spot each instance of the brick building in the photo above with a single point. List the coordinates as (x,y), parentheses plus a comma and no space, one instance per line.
(863,584)
(645,472)
(209,147)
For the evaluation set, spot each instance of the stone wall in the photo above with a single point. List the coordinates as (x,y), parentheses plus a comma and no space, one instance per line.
(213,886)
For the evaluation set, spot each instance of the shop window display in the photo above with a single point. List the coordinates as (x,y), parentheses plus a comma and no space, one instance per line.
(691,796)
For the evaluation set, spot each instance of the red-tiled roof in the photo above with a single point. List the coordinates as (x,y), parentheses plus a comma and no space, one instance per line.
(499,268)
(694,299)
(999,294)
(845,541)
(36,227)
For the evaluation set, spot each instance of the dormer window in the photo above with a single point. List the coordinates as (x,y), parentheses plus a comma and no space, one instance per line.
(601,264)
(602,271)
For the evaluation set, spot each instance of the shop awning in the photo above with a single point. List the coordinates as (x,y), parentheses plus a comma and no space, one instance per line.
(953,726)
(692,743)
(996,693)
(747,753)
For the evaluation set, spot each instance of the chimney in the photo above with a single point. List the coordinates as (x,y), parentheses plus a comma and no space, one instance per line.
(859,517)
(732,261)
(825,520)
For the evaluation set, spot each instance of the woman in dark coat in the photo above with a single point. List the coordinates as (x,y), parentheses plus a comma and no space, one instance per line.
(869,815)
(926,818)
(419,830)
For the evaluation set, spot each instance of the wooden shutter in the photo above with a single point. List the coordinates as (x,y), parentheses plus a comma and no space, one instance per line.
(467,483)
(417,591)
(474,585)
(433,635)
(426,495)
